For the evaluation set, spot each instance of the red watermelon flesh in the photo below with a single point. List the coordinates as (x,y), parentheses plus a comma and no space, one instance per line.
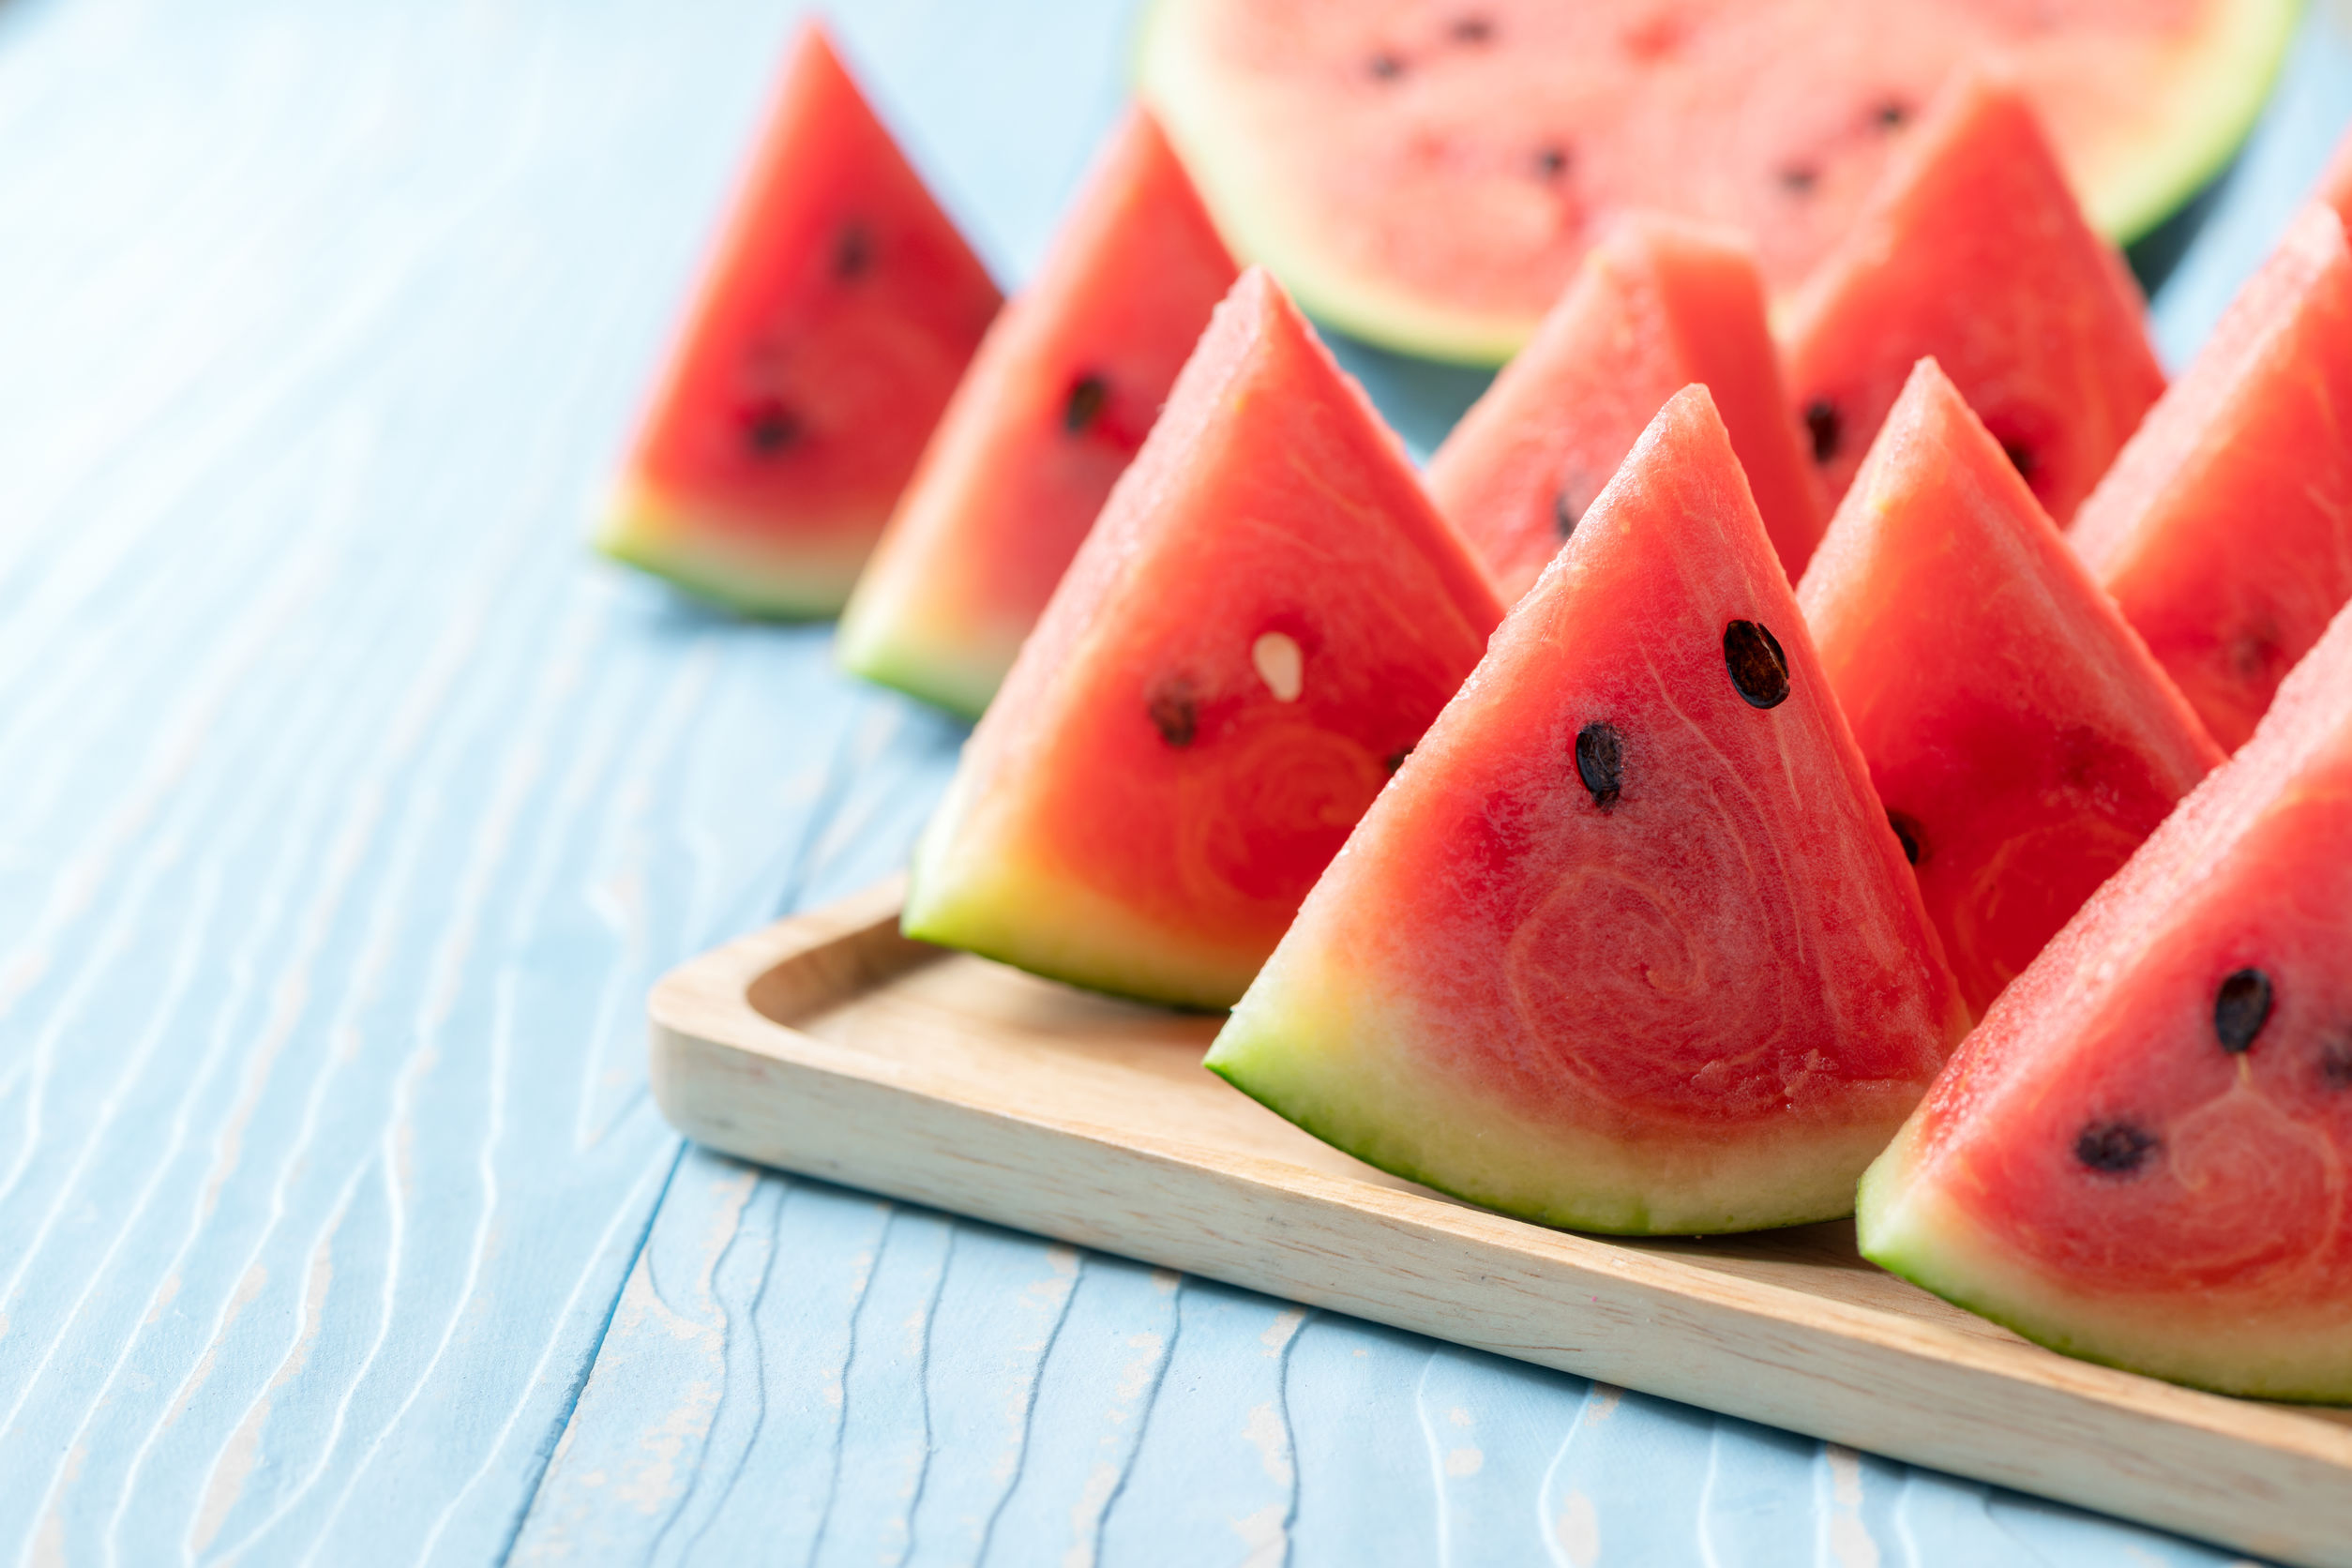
(1259,627)
(832,322)
(1427,173)
(1660,303)
(2018,733)
(1628,944)
(1054,407)
(2224,530)
(2140,1156)
(1973,250)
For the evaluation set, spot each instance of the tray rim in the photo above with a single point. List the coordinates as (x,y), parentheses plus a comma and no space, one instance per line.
(702,1014)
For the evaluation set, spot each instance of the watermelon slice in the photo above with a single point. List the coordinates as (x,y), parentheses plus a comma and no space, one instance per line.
(2140,1156)
(1059,399)
(1265,618)
(1628,945)
(2224,530)
(833,320)
(1973,251)
(2020,738)
(1426,174)
(1660,303)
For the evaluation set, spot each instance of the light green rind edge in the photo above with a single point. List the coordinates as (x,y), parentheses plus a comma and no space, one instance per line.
(2256,49)
(967,913)
(747,592)
(930,677)
(1910,1252)
(1252,1053)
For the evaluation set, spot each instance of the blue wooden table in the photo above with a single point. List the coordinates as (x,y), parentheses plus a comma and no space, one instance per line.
(347,809)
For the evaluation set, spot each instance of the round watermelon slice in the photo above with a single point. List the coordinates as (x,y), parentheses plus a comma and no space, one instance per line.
(2141,1155)
(1628,944)
(1426,174)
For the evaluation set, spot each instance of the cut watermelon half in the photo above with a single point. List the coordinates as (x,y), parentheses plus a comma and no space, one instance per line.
(2018,733)
(1628,944)
(1054,407)
(1259,627)
(1428,174)
(2224,530)
(1974,251)
(2140,1156)
(1663,302)
(833,320)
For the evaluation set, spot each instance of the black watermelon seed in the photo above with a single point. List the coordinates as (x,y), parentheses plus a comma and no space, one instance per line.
(1892,113)
(2020,457)
(1906,831)
(1397,758)
(1471,29)
(1385,66)
(1565,514)
(1088,394)
(2240,1008)
(2335,1064)
(1601,761)
(1758,669)
(2118,1147)
(1799,179)
(1824,425)
(854,253)
(1173,713)
(768,426)
(1551,160)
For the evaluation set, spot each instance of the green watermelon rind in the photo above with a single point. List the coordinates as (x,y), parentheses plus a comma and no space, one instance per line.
(2239,77)
(1906,1257)
(965,916)
(1248,1044)
(945,683)
(1560,1218)
(740,583)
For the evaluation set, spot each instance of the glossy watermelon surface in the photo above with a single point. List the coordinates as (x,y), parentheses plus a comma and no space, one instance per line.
(1973,250)
(2224,530)
(2018,733)
(1052,410)
(1259,627)
(2139,1157)
(1660,303)
(1428,174)
(834,319)
(1628,944)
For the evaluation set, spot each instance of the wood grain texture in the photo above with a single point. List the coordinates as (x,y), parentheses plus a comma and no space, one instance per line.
(347,810)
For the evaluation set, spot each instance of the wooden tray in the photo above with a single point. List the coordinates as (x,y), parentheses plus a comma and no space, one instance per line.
(832,1046)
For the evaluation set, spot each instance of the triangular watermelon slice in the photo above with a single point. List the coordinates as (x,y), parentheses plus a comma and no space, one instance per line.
(2224,530)
(1628,945)
(1054,407)
(833,320)
(2140,1156)
(1660,303)
(1972,250)
(1263,621)
(2019,735)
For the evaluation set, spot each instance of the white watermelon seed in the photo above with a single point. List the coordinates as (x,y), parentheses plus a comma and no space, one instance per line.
(1280,665)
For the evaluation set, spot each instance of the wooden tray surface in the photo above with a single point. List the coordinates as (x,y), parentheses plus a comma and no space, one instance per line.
(832,1046)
